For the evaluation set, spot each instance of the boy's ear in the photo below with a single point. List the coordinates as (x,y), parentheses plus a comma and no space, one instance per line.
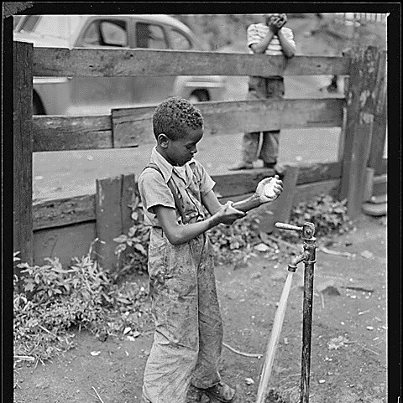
(163,140)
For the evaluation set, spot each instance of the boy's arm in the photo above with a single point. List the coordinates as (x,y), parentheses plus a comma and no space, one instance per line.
(288,47)
(177,233)
(261,46)
(213,205)
(211,202)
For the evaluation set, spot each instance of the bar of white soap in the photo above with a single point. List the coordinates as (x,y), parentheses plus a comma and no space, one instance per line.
(269,189)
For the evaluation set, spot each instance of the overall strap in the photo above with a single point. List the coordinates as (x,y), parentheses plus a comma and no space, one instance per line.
(178,203)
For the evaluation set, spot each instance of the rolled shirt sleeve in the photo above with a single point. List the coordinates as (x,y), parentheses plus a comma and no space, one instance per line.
(154,191)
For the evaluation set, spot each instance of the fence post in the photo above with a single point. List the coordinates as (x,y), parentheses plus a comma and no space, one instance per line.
(380,113)
(359,125)
(22,145)
(113,215)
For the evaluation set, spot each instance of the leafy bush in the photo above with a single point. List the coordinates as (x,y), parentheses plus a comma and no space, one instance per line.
(327,214)
(233,243)
(50,301)
(132,248)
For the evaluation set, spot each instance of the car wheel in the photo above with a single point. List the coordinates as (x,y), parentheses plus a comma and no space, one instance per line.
(37,107)
(199,96)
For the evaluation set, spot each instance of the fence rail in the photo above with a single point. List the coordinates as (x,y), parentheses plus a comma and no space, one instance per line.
(86,62)
(130,127)
(71,224)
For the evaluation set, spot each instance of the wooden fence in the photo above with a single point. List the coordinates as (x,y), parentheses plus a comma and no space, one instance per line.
(66,227)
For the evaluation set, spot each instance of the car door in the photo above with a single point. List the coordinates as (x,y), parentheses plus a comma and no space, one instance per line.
(94,95)
(149,34)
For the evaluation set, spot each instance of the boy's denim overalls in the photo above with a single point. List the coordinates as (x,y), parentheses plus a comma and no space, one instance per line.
(188,335)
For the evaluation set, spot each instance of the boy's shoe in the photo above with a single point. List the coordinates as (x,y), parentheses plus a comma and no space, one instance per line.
(194,395)
(241,165)
(220,393)
(278,169)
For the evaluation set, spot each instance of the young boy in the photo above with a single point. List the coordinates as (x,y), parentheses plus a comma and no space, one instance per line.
(271,38)
(180,205)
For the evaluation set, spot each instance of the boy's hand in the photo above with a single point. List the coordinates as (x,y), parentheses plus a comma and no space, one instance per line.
(269,189)
(276,22)
(228,214)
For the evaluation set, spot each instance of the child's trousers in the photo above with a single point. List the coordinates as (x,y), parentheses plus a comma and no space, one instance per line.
(188,337)
(263,88)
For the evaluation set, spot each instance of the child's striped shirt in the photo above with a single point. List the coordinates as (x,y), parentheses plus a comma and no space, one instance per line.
(257,32)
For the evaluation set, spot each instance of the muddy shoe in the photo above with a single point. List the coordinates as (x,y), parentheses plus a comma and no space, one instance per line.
(194,395)
(220,393)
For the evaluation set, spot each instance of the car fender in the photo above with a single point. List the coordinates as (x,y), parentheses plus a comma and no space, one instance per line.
(213,85)
(54,93)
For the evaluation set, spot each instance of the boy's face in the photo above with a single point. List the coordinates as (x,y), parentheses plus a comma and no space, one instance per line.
(270,18)
(180,151)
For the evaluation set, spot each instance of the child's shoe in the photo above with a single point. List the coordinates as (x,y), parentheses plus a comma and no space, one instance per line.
(194,395)
(220,393)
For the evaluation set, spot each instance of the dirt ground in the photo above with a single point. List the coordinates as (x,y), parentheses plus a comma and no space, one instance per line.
(349,333)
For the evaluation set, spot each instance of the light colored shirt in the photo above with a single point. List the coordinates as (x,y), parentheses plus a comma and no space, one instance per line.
(192,182)
(257,32)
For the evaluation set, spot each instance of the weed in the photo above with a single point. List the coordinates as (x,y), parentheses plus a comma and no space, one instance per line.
(132,248)
(50,302)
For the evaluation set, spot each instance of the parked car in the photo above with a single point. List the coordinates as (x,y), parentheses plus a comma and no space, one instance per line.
(97,95)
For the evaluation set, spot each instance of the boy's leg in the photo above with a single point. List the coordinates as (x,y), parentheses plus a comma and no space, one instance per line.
(271,139)
(210,323)
(250,141)
(206,375)
(250,145)
(173,288)
(270,147)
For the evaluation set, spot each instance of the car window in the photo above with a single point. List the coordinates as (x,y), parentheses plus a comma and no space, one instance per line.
(16,20)
(114,33)
(105,33)
(91,35)
(179,41)
(150,36)
(29,23)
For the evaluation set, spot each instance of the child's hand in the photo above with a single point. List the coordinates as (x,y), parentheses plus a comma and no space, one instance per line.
(228,214)
(282,20)
(269,189)
(276,22)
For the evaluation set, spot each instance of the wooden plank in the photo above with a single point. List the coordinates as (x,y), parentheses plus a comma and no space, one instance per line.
(318,171)
(63,242)
(108,219)
(62,212)
(128,198)
(358,131)
(281,207)
(240,183)
(22,155)
(243,182)
(133,126)
(60,133)
(309,191)
(86,62)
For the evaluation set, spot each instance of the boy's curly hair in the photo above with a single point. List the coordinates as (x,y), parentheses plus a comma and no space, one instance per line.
(173,116)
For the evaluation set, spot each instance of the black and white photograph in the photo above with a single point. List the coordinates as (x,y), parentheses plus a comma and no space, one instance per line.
(198,202)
